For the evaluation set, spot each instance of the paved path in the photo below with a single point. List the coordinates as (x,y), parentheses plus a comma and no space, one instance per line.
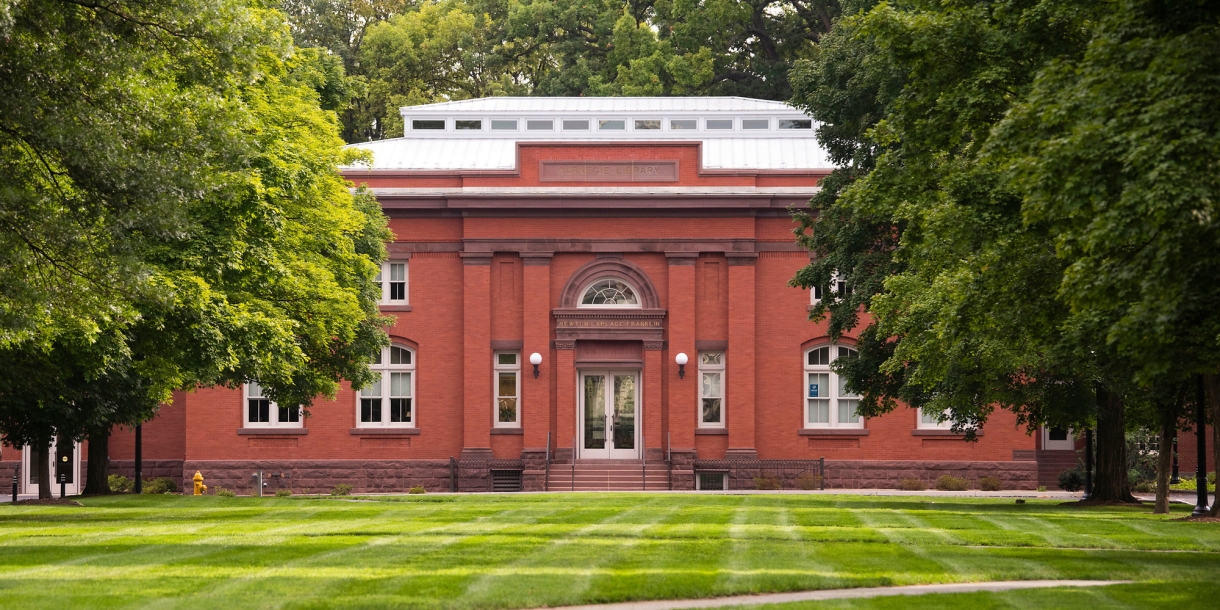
(804,596)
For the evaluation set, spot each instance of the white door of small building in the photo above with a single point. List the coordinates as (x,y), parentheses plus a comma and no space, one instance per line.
(66,462)
(1058,439)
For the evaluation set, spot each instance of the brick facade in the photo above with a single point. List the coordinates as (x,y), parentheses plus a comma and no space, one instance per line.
(490,270)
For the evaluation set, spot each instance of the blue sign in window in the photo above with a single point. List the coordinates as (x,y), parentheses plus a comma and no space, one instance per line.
(813,390)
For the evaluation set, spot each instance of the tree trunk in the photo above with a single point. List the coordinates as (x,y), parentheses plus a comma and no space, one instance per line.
(96,478)
(1110,484)
(1163,463)
(1211,387)
(41,456)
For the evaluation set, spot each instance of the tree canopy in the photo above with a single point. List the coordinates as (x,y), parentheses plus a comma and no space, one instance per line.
(1003,257)
(172,213)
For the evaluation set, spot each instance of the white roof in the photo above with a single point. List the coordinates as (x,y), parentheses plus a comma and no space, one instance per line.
(602,104)
(482,134)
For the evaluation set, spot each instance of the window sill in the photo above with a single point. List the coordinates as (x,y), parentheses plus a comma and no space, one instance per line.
(385,431)
(711,431)
(508,431)
(273,431)
(940,432)
(395,308)
(833,432)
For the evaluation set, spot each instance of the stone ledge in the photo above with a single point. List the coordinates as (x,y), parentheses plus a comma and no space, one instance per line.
(385,432)
(396,308)
(508,431)
(273,431)
(711,431)
(833,432)
(942,433)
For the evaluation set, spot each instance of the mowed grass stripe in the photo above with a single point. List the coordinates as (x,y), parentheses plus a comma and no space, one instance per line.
(509,551)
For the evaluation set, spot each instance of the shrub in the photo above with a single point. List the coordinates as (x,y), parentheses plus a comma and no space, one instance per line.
(418,489)
(948,482)
(283,493)
(1211,478)
(119,484)
(225,493)
(1143,487)
(808,480)
(991,484)
(342,489)
(161,485)
(1041,488)
(911,484)
(766,483)
(1071,480)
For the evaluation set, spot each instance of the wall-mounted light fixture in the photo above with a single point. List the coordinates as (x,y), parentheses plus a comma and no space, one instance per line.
(681,359)
(535,359)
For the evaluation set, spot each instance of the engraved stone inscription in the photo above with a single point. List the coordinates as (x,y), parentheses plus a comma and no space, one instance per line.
(608,171)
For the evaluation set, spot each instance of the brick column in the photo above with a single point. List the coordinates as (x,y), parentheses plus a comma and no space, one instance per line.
(565,397)
(680,323)
(476,355)
(536,407)
(739,397)
(654,364)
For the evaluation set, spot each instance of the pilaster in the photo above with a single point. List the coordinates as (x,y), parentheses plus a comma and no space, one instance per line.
(476,355)
(740,382)
(681,396)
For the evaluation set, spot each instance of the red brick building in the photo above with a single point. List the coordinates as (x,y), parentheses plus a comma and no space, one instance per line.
(615,238)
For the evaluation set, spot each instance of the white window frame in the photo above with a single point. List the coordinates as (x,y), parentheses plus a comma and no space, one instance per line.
(1065,445)
(837,287)
(922,424)
(273,412)
(497,369)
(385,370)
(832,395)
(383,279)
(639,301)
(711,369)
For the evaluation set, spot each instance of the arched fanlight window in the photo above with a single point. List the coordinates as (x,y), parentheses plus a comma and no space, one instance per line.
(609,292)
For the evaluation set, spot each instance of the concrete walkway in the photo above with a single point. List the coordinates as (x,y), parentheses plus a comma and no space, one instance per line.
(805,596)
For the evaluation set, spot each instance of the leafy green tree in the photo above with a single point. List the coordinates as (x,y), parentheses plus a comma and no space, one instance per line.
(171,180)
(961,290)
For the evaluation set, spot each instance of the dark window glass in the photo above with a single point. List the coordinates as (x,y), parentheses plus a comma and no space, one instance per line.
(818,356)
(398,291)
(468,124)
(290,414)
(1058,434)
(260,411)
(428,124)
(795,124)
(400,409)
(370,410)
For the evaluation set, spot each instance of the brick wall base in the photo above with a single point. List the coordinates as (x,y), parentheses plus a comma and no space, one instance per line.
(866,474)
(152,469)
(321,476)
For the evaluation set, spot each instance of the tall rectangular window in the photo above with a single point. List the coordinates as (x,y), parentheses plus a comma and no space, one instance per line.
(390,399)
(261,412)
(507,372)
(393,281)
(829,402)
(711,389)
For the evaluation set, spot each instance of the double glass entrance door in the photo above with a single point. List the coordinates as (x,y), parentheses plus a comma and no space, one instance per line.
(609,411)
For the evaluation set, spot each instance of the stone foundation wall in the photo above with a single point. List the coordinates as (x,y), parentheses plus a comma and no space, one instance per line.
(321,476)
(152,469)
(886,474)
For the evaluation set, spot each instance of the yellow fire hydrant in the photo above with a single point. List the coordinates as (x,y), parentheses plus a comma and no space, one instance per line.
(200,488)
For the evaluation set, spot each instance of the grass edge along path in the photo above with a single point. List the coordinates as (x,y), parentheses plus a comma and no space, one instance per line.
(856,593)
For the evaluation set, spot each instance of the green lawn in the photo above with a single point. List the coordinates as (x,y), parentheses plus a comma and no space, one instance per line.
(520,551)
